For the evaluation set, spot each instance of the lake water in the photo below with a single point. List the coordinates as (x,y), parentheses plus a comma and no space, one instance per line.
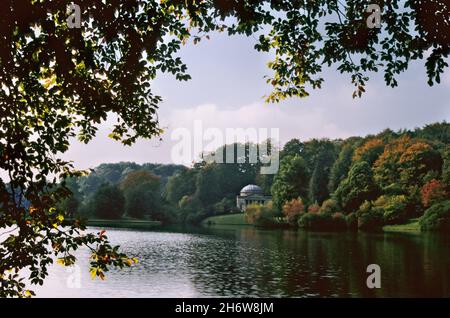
(245,261)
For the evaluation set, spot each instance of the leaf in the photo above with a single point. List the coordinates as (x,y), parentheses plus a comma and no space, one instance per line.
(61,261)
(93,273)
(28,293)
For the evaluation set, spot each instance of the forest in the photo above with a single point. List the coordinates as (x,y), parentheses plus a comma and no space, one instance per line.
(355,183)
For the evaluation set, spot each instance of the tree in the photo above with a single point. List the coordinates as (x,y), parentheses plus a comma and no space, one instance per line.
(318,185)
(142,192)
(407,160)
(416,162)
(291,181)
(437,218)
(108,202)
(58,81)
(369,151)
(358,187)
(71,204)
(180,185)
(395,209)
(433,192)
(292,147)
(341,166)
(446,168)
(207,190)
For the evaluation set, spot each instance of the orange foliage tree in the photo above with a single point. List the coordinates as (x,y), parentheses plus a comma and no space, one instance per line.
(433,192)
(369,151)
(408,161)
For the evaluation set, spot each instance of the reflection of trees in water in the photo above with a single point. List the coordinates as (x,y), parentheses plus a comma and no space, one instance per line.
(252,262)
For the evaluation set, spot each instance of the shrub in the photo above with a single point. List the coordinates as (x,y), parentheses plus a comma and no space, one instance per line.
(323,221)
(261,215)
(437,217)
(369,219)
(314,208)
(292,210)
(329,206)
(394,208)
(315,221)
(433,192)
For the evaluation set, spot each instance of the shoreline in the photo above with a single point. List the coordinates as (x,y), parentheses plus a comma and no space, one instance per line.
(411,227)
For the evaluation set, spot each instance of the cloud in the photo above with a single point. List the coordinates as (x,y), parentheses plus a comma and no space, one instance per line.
(301,122)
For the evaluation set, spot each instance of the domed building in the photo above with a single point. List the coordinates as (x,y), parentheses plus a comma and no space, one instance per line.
(251,194)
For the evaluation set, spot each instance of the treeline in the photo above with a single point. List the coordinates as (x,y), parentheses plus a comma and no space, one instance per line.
(126,189)
(363,183)
(359,182)
(167,193)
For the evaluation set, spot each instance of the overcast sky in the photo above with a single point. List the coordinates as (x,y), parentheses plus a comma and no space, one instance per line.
(227,89)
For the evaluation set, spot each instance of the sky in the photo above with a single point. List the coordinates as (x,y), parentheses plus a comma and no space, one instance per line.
(227,89)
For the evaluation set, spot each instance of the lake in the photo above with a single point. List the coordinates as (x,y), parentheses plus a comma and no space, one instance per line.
(245,261)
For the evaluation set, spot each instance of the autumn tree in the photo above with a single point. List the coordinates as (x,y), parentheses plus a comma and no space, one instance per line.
(292,210)
(418,160)
(369,151)
(432,192)
(406,160)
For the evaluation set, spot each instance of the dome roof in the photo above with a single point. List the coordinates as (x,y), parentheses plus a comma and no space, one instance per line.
(251,189)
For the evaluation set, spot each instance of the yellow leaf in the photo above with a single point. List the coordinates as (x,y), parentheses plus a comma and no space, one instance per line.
(60,218)
(28,293)
(61,261)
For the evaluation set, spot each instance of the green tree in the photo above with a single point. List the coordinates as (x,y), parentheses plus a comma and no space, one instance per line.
(446,168)
(142,192)
(71,204)
(318,185)
(108,202)
(291,181)
(341,166)
(437,217)
(292,147)
(418,160)
(207,190)
(358,187)
(180,185)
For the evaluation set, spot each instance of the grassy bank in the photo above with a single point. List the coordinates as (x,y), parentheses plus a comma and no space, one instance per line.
(412,226)
(228,219)
(124,223)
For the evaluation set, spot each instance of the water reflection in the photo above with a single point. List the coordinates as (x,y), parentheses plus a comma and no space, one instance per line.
(244,261)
